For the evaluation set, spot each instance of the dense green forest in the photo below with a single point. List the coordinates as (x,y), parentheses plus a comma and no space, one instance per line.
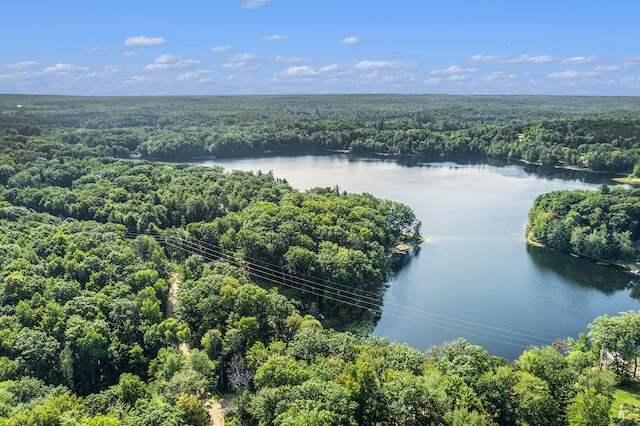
(84,340)
(599,224)
(598,133)
(94,244)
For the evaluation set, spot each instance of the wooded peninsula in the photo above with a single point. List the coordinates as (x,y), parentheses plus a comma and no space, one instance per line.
(134,291)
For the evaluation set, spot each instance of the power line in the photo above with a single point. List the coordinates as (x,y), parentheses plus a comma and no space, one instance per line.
(214,250)
(371,297)
(357,298)
(346,297)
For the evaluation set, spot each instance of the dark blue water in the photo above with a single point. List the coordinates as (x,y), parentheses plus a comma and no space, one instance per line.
(475,276)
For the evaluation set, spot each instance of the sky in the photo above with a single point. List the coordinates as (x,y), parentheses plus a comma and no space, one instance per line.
(237,47)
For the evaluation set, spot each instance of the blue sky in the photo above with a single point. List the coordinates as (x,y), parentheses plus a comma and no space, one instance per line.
(225,47)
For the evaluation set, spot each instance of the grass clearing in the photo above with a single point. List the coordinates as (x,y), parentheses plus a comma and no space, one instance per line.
(628,397)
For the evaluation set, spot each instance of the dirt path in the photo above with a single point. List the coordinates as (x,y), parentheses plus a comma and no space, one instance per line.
(216,412)
(172,297)
(215,409)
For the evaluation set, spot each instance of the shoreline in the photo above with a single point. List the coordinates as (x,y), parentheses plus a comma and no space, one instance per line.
(627,180)
(631,268)
(442,157)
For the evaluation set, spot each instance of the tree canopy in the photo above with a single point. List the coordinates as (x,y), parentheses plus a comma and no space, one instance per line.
(132,292)
(599,224)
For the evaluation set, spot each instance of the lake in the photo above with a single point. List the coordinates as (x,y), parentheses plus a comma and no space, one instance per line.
(475,276)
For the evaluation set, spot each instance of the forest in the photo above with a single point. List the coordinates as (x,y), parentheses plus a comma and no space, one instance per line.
(95,241)
(601,224)
(597,133)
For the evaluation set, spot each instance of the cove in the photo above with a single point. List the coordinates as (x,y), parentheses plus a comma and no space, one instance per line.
(474,277)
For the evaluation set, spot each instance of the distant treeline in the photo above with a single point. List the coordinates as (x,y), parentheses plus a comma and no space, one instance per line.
(600,134)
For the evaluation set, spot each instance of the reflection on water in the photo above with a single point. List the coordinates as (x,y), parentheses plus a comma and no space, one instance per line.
(581,271)
(567,174)
(500,163)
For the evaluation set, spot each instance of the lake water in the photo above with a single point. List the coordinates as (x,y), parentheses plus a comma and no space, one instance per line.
(475,276)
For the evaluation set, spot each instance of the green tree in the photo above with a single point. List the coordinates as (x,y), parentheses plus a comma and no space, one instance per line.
(37,354)
(131,389)
(280,371)
(360,381)
(87,352)
(589,408)
(552,367)
(533,402)
(613,336)
(101,420)
(195,413)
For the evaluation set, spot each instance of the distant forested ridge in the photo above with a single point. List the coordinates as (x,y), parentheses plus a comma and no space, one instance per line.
(598,133)
(134,292)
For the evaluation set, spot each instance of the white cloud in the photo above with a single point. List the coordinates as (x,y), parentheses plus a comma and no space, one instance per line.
(64,68)
(130,54)
(140,79)
(631,82)
(432,81)
(494,76)
(380,76)
(458,77)
(285,60)
(484,58)
(522,59)
(250,4)
(242,62)
(526,59)
(275,37)
(579,60)
(96,49)
(106,72)
(243,57)
(298,71)
(168,61)
(454,69)
(331,73)
(351,40)
(329,68)
(632,60)
(220,49)
(384,64)
(240,65)
(144,41)
(608,68)
(198,75)
(572,74)
(21,65)
(499,75)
